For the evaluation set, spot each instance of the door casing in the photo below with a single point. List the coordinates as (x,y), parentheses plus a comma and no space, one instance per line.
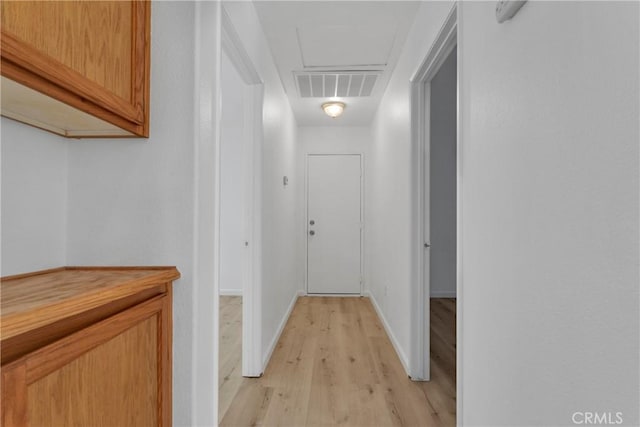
(419,358)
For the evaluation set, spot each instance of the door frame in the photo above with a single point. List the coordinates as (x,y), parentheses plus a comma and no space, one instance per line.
(306,220)
(252,365)
(419,360)
(206,147)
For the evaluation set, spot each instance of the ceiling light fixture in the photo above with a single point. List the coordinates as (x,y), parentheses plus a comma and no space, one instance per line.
(333,109)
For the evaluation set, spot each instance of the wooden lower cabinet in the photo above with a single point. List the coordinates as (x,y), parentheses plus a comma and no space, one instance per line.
(114,372)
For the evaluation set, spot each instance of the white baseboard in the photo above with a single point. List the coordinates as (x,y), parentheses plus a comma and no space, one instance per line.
(401,355)
(336,295)
(283,322)
(443,294)
(231,292)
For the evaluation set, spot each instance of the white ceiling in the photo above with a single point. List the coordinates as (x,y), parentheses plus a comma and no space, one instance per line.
(321,36)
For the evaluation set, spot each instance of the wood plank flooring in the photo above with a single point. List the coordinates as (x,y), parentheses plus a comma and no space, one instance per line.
(335,365)
(230,360)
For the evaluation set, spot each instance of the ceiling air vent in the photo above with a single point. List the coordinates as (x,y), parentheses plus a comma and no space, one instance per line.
(336,84)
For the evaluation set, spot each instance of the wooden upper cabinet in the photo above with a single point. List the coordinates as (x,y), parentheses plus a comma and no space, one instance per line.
(77,68)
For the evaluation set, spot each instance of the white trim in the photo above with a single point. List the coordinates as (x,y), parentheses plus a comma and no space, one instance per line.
(305,222)
(444,43)
(252,284)
(276,337)
(362,224)
(459,277)
(206,210)
(335,295)
(230,292)
(443,294)
(232,46)
(394,341)
(362,219)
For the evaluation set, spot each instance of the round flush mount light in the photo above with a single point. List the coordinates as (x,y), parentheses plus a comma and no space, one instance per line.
(333,109)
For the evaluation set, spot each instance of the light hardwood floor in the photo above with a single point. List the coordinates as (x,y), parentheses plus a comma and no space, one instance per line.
(335,365)
(230,360)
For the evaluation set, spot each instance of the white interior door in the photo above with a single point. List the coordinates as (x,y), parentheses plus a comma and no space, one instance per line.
(334,218)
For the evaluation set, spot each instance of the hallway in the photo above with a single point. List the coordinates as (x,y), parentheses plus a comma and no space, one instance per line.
(335,365)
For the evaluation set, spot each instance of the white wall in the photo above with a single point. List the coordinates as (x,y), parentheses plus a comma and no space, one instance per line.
(389,190)
(233,141)
(150,202)
(331,140)
(136,201)
(549,116)
(131,201)
(281,256)
(34,199)
(550,125)
(442,183)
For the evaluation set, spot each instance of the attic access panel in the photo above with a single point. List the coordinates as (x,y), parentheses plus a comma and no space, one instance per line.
(345,45)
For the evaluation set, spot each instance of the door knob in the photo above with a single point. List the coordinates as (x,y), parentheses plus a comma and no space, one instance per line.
(312,232)
(312,222)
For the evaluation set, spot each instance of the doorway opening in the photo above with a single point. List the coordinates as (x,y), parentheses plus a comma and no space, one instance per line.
(441,228)
(240,243)
(234,259)
(437,285)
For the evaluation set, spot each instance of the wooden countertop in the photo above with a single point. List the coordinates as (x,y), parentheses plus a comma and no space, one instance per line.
(33,300)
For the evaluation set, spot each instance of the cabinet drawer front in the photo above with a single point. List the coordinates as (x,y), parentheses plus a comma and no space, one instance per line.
(115,372)
(112,384)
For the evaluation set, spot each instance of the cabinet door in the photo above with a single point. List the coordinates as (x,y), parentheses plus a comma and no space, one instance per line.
(91,55)
(113,373)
